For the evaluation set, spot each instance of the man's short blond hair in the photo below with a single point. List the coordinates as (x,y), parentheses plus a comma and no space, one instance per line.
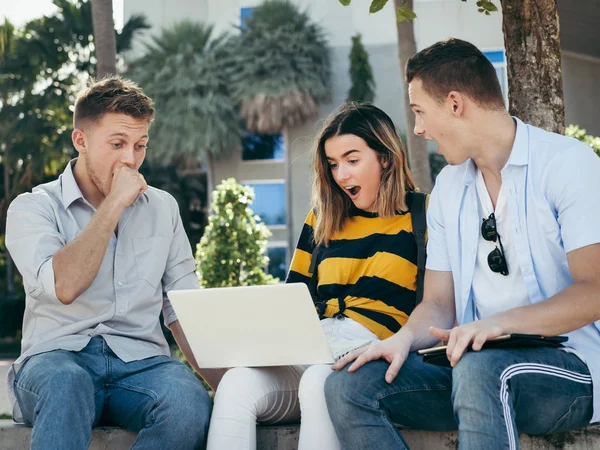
(111,95)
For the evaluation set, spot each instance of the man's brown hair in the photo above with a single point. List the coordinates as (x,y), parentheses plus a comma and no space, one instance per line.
(111,95)
(456,65)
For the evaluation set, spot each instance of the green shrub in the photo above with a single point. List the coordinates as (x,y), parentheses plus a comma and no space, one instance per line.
(579,133)
(232,249)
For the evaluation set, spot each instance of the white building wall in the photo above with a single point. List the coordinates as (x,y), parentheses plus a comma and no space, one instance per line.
(440,19)
(581,93)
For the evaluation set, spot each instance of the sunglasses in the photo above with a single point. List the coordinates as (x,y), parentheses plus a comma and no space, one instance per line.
(496,259)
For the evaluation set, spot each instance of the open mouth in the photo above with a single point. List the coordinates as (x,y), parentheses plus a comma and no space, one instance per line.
(353,190)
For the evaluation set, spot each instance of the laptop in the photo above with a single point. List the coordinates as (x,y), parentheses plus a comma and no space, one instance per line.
(252,326)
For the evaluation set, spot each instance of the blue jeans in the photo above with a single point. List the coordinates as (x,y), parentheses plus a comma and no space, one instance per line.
(64,394)
(490,397)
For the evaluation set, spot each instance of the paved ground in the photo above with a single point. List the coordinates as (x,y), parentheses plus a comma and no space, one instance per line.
(5,406)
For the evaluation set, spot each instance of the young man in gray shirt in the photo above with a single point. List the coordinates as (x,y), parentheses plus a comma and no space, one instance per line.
(98,249)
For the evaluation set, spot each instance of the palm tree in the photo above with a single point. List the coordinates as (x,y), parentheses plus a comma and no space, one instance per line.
(184,71)
(104,38)
(281,73)
(281,68)
(67,37)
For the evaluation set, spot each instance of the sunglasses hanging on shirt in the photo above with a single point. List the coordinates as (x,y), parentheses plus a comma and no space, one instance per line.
(496,259)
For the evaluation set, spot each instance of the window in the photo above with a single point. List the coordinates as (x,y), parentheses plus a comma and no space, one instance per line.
(269,201)
(245,14)
(277,253)
(262,147)
(498,60)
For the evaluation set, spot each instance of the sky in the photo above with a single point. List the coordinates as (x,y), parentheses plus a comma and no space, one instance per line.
(20,11)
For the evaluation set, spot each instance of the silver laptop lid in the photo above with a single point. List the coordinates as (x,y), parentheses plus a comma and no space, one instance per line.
(252,326)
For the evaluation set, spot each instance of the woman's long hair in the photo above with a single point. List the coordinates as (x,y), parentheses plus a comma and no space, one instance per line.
(331,205)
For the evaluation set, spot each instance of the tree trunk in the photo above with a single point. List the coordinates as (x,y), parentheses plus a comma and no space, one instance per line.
(418,155)
(210,180)
(532,43)
(104,38)
(289,216)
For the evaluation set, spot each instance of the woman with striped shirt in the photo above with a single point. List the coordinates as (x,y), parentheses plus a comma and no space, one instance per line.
(366,269)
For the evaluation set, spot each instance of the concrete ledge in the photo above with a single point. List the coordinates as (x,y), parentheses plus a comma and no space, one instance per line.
(18,437)
(285,437)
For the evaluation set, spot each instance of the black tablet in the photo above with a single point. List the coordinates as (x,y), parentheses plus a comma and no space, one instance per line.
(437,355)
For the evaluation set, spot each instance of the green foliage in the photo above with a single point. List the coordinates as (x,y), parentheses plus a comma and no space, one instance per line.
(486,7)
(33,109)
(361,74)
(574,131)
(404,14)
(281,49)
(232,249)
(377,5)
(185,71)
(280,67)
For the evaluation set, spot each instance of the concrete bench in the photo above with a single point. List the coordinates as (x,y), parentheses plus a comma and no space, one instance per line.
(285,437)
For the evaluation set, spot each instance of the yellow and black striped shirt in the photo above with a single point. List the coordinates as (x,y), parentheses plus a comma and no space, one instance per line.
(371,265)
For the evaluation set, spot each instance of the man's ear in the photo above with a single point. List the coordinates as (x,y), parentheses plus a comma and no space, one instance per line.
(456,102)
(79,140)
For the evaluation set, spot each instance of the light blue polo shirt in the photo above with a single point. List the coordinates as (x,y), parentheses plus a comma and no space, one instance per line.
(552,188)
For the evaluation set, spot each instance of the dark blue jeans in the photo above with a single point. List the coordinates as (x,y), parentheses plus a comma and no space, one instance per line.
(490,397)
(63,394)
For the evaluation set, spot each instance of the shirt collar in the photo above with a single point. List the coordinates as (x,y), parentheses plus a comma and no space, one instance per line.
(70,188)
(519,154)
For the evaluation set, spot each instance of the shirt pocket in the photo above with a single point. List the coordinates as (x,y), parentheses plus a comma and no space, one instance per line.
(150,258)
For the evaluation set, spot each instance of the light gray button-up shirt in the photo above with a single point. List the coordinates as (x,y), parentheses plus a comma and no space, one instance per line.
(150,257)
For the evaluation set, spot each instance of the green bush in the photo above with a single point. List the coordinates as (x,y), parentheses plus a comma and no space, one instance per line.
(580,134)
(232,249)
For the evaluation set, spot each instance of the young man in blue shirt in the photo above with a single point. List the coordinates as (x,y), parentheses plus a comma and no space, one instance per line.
(513,248)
